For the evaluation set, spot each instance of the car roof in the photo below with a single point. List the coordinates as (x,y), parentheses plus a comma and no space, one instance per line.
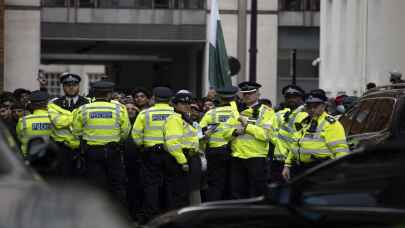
(392,90)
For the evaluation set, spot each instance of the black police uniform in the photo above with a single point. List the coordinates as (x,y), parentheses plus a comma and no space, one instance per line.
(152,165)
(218,160)
(104,163)
(69,166)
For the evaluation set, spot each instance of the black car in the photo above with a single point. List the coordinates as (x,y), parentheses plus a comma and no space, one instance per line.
(28,201)
(363,189)
(378,117)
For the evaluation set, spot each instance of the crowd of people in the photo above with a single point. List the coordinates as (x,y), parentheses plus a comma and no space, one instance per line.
(161,150)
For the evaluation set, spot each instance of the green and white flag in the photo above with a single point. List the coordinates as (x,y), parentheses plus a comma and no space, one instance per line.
(219,73)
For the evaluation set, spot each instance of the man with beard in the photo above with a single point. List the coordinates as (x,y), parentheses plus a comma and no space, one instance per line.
(61,115)
(285,118)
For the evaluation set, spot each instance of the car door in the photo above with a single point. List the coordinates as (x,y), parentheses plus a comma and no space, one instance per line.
(368,179)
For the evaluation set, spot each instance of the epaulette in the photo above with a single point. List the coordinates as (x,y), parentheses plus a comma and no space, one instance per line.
(287,116)
(330,119)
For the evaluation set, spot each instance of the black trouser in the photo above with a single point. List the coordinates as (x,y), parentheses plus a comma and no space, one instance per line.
(105,169)
(177,185)
(217,173)
(195,173)
(66,164)
(276,169)
(151,171)
(134,186)
(248,177)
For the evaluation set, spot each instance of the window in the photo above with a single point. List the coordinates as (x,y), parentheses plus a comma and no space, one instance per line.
(53,3)
(87,3)
(380,118)
(162,4)
(360,120)
(347,119)
(54,88)
(143,4)
(300,5)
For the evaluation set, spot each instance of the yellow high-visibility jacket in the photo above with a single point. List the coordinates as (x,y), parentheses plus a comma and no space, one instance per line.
(148,127)
(217,116)
(285,125)
(328,140)
(61,128)
(258,134)
(36,124)
(101,122)
(179,135)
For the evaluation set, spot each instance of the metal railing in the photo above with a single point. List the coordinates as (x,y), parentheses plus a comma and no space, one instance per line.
(127,4)
(299,5)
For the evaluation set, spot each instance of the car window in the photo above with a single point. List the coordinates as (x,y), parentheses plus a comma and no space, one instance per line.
(348,118)
(361,180)
(380,118)
(359,120)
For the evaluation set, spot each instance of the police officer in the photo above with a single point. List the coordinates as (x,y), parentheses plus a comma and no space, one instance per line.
(320,137)
(285,118)
(218,151)
(147,133)
(182,144)
(251,144)
(60,113)
(35,124)
(102,125)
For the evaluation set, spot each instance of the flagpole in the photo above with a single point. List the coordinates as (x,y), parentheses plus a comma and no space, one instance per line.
(253,42)
(205,81)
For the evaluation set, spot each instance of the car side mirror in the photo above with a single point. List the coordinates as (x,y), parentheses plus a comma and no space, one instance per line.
(42,154)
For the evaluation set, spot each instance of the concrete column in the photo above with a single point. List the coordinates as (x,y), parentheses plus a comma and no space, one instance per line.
(22,44)
(361,41)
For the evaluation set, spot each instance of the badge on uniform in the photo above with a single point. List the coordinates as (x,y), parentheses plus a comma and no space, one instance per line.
(223,118)
(100,115)
(160,117)
(40,126)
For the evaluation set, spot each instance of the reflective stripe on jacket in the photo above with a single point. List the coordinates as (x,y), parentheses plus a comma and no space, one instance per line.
(148,127)
(327,141)
(36,124)
(61,128)
(101,122)
(258,133)
(180,135)
(217,116)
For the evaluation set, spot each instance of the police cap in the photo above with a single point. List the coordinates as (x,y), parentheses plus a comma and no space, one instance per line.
(293,90)
(162,92)
(316,96)
(183,96)
(227,91)
(70,78)
(103,85)
(247,87)
(39,96)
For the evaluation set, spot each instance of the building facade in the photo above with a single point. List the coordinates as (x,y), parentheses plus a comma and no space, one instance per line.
(1,44)
(158,42)
(361,41)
